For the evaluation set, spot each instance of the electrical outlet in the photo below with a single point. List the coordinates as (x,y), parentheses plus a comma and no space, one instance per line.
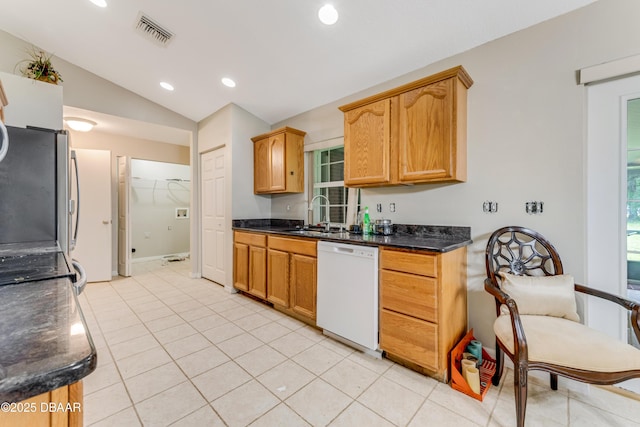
(490,206)
(379,207)
(392,207)
(534,207)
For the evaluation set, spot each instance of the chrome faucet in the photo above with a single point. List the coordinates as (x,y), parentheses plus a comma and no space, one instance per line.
(327,222)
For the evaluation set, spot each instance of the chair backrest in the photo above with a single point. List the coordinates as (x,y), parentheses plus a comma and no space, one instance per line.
(518,250)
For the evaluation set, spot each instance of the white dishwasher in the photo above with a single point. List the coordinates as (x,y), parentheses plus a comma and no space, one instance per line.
(347,294)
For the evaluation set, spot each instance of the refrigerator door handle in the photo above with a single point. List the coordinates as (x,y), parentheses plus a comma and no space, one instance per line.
(82,280)
(74,159)
(4,140)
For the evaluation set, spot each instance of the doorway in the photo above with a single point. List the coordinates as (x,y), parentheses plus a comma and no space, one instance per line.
(613,220)
(154,200)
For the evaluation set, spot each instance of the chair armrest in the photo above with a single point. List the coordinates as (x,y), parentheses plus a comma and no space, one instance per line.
(633,307)
(521,352)
(494,290)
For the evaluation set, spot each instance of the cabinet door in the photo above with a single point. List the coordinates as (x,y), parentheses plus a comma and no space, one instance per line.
(258,271)
(413,295)
(410,338)
(261,168)
(367,137)
(277,162)
(303,285)
(241,266)
(426,140)
(68,397)
(278,277)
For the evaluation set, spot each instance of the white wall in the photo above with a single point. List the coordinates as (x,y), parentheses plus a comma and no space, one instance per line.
(31,102)
(155,196)
(233,127)
(526,121)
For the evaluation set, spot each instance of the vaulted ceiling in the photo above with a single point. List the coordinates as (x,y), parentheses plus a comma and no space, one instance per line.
(283,59)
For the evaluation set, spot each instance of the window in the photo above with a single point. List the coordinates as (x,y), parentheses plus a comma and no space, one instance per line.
(328,180)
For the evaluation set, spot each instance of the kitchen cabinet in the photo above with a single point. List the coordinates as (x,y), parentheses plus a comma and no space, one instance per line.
(367,141)
(415,133)
(278,162)
(250,263)
(61,407)
(292,276)
(423,307)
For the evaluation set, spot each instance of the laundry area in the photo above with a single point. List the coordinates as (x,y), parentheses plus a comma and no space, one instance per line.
(159,212)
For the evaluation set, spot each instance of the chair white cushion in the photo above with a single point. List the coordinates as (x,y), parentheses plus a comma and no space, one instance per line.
(542,295)
(567,343)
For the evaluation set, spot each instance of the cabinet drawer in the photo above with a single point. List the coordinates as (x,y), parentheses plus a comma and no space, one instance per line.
(412,339)
(409,294)
(252,239)
(409,262)
(298,246)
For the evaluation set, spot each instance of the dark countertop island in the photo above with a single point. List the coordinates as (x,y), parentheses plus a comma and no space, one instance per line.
(44,340)
(415,237)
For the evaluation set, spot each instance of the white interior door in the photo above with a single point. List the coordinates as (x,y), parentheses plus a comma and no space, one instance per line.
(213,215)
(124,226)
(93,247)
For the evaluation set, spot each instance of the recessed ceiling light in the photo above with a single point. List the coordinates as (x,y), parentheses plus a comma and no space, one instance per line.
(228,82)
(79,124)
(166,86)
(328,14)
(99,3)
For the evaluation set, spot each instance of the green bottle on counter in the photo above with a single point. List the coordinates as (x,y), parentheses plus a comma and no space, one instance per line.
(366,222)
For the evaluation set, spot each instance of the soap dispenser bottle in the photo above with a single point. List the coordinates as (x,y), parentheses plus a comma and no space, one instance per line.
(366,222)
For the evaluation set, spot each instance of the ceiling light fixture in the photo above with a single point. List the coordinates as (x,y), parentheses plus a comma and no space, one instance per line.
(99,3)
(328,14)
(166,86)
(228,82)
(80,125)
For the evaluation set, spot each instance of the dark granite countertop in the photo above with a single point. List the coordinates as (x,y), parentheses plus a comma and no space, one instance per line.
(44,340)
(434,238)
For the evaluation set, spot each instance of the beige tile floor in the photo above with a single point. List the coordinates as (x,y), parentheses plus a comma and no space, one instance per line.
(184,352)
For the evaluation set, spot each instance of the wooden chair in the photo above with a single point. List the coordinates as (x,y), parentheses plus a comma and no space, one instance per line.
(548,343)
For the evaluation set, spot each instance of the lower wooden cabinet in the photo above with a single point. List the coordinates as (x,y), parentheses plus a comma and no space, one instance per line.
(278,277)
(423,295)
(303,285)
(423,307)
(411,338)
(250,263)
(292,276)
(62,407)
(280,270)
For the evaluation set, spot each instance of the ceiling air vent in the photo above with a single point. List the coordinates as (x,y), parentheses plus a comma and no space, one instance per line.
(150,29)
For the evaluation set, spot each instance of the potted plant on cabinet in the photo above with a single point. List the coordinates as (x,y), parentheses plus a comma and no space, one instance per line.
(39,67)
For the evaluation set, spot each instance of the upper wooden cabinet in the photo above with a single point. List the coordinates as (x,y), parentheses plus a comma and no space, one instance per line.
(367,140)
(411,134)
(278,161)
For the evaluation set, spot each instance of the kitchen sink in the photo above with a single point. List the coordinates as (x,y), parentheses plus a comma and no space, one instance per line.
(313,232)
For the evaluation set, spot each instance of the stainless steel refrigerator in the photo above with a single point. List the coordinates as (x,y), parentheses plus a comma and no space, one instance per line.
(38,215)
